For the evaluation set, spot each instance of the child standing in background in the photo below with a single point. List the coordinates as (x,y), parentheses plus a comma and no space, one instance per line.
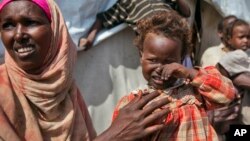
(163,40)
(130,11)
(212,55)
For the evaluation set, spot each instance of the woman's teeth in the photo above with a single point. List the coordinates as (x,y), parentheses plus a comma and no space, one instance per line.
(24,52)
(25,49)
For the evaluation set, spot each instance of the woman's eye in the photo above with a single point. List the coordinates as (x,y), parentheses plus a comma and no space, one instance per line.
(31,23)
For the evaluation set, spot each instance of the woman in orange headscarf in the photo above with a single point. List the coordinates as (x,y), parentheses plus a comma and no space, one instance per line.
(39,98)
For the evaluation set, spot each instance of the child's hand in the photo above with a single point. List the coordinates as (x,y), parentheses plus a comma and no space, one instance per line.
(174,70)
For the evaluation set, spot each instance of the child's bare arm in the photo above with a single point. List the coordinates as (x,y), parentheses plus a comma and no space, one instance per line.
(242,80)
(88,42)
(183,8)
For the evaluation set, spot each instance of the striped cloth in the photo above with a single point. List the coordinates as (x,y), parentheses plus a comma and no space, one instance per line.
(188,120)
(130,11)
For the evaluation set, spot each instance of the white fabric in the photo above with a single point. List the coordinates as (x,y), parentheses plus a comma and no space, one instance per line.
(212,55)
(235,62)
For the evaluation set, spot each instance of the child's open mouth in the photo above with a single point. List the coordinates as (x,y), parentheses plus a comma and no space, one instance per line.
(157,80)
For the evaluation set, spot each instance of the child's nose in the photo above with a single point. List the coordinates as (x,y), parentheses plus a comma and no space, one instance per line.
(158,70)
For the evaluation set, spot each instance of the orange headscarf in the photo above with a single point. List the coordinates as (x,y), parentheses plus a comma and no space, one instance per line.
(47,106)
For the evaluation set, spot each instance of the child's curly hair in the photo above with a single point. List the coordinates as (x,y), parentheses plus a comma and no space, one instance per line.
(169,24)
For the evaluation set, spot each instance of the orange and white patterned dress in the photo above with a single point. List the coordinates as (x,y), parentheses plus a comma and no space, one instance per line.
(188,120)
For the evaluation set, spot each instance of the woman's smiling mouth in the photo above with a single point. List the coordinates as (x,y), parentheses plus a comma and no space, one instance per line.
(24,52)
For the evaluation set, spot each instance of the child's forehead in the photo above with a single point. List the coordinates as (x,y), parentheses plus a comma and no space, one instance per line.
(241,28)
(243,25)
(154,41)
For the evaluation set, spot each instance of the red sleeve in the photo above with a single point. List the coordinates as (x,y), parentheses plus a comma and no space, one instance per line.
(216,89)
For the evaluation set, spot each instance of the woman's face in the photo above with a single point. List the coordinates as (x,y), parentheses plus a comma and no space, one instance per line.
(26,34)
(158,51)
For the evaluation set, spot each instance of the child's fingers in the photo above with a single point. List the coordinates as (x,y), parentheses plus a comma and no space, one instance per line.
(173,70)
(165,74)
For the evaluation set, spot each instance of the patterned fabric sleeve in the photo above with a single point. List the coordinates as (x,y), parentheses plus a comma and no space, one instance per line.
(114,15)
(215,89)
